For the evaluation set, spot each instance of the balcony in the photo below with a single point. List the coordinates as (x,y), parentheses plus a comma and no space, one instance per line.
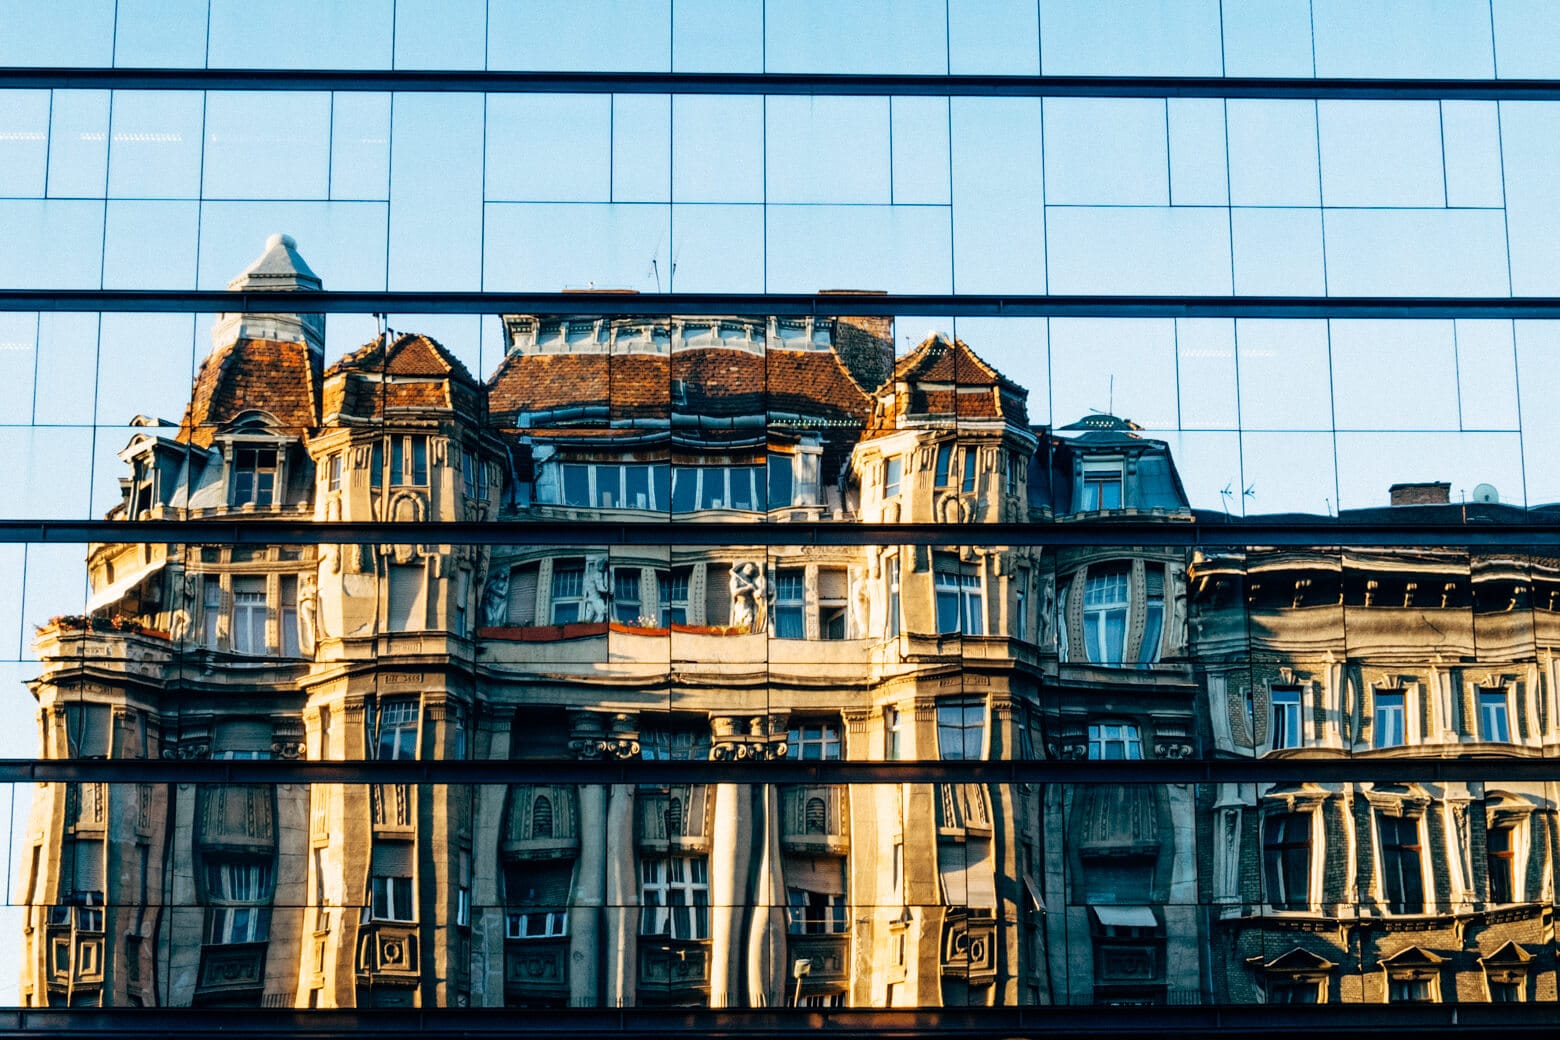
(231,970)
(536,968)
(388,949)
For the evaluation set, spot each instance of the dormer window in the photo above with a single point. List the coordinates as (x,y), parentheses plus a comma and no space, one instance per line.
(333,472)
(254,476)
(969,471)
(782,480)
(893,473)
(1101,488)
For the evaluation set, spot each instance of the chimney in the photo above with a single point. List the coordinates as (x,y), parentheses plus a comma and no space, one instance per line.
(1427,493)
(865,344)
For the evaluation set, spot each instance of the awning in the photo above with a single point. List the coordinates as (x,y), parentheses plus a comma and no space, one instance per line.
(116,590)
(1125,916)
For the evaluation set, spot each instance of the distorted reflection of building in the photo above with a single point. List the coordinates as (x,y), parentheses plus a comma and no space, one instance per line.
(1382,891)
(750,893)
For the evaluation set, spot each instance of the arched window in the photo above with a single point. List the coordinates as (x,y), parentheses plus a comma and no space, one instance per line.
(817,816)
(541,817)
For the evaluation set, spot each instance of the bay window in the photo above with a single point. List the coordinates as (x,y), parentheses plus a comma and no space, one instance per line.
(603,485)
(397,729)
(782,480)
(961,729)
(718,487)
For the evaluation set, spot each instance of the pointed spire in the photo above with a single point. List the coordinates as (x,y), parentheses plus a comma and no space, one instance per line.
(279,267)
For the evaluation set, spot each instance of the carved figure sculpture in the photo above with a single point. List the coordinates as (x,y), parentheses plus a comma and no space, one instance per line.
(308,613)
(598,589)
(749,597)
(495,598)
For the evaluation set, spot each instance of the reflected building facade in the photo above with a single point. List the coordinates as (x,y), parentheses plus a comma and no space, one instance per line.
(891,895)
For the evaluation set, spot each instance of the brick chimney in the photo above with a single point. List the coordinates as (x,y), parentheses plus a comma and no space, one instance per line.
(864,344)
(1427,493)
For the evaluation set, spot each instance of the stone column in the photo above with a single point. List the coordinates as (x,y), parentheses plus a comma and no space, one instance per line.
(591,875)
(730,848)
(620,962)
(767,966)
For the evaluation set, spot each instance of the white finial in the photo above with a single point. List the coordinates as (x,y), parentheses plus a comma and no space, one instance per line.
(280,239)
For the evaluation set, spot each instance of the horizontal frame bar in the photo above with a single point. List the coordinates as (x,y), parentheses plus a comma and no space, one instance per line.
(775,83)
(823,304)
(1052,1023)
(640,771)
(1534,533)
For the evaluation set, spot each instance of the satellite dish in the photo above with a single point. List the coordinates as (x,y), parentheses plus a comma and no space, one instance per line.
(1486,493)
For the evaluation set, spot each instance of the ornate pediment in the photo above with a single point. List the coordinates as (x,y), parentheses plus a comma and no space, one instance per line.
(1298,961)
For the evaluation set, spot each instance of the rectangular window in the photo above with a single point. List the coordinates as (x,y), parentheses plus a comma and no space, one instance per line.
(675,897)
(463,891)
(409,460)
(248,631)
(1409,991)
(782,481)
(254,476)
(895,740)
(1500,857)
(536,924)
(392,899)
(893,471)
(398,718)
(969,471)
(239,893)
(376,465)
(1494,722)
(814,913)
(609,486)
(333,472)
(568,590)
(1114,741)
(1388,719)
(833,588)
(789,605)
(288,615)
(1402,872)
(944,458)
(891,625)
(638,490)
(814,741)
(576,485)
(1286,857)
(960,604)
(211,609)
(1021,605)
(961,730)
(1105,615)
(1505,992)
(1153,613)
(1293,991)
(625,595)
(1101,490)
(1286,717)
(674,596)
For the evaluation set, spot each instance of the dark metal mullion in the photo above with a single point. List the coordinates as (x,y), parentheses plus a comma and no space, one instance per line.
(620,304)
(1429,769)
(1527,535)
(754,83)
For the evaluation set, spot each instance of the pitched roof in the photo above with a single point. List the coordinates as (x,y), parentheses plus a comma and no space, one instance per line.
(414,371)
(944,379)
(275,377)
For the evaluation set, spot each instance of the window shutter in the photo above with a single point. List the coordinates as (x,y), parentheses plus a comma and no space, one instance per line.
(1154,580)
(522,596)
(392,859)
(407,613)
(832,584)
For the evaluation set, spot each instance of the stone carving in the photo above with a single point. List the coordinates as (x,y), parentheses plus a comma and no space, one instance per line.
(860,604)
(749,597)
(184,609)
(495,598)
(597,591)
(308,613)
(1173,751)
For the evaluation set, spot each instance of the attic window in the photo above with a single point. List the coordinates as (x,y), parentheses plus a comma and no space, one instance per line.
(254,476)
(1101,488)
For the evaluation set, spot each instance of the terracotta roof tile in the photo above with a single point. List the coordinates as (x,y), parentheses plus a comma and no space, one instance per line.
(271,376)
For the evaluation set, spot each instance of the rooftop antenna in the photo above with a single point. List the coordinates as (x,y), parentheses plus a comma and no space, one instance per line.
(1225,494)
(656,270)
(1110,401)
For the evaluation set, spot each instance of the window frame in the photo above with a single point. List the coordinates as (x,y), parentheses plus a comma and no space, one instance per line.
(403,716)
(1283,851)
(688,920)
(1401,842)
(264,480)
(1097,612)
(1292,729)
(1125,733)
(390,897)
